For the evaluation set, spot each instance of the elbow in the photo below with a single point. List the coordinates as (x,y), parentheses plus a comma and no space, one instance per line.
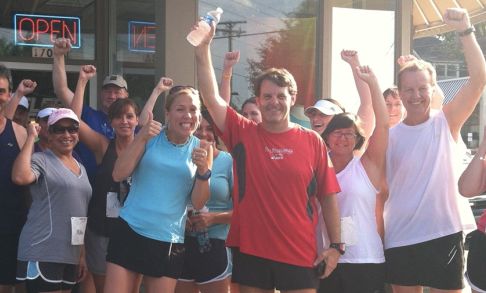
(117,177)
(19,179)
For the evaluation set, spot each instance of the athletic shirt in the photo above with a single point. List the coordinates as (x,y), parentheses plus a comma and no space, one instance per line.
(220,186)
(277,176)
(13,198)
(423,165)
(98,222)
(161,188)
(57,195)
(357,205)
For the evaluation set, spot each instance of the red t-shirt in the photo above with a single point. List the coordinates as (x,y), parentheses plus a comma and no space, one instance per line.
(277,176)
(482,222)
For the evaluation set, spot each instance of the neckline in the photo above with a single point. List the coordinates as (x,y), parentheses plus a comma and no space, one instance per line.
(176,144)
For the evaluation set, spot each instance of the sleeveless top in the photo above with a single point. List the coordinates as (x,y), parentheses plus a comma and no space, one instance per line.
(98,221)
(13,198)
(423,168)
(357,204)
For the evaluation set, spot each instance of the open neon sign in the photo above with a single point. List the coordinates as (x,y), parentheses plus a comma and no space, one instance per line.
(43,30)
(141,36)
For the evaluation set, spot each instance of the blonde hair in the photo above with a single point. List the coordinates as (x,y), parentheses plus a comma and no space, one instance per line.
(414,66)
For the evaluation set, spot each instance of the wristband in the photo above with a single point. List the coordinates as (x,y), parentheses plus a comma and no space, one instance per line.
(205,176)
(340,247)
(467,31)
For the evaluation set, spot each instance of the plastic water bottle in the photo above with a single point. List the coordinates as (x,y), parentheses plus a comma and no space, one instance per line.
(202,236)
(195,37)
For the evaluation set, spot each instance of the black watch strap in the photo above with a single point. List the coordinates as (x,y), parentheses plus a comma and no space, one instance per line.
(205,176)
(340,247)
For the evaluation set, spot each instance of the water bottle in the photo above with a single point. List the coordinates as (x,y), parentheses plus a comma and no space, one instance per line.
(196,36)
(202,236)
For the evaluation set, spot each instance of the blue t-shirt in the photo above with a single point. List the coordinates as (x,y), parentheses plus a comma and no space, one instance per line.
(221,186)
(98,121)
(160,190)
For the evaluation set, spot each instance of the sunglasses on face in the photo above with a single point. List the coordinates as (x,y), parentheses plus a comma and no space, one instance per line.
(57,129)
(3,91)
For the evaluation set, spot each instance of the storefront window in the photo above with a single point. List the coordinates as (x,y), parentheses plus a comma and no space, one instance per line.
(28,28)
(267,34)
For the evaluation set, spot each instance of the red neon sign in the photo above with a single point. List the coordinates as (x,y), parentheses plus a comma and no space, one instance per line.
(43,30)
(141,36)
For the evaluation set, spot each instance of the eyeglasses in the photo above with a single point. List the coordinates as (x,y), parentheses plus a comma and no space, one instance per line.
(179,88)
(346,135)
(56,129)
(3,91)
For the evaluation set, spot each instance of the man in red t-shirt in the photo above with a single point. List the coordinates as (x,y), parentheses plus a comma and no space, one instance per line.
(280,170)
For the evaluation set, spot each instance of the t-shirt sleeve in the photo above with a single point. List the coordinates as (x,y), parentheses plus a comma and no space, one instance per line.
(234,124)
(38,165)
(327,183)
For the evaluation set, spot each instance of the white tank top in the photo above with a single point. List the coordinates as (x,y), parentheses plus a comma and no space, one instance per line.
(357,204)
(423,168)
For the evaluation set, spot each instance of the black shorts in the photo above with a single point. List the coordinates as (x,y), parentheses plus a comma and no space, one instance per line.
(353,278)
(206,267)
(437,263)
(8,258)
(47,276)
(476,261)
(143,255)
(253,271)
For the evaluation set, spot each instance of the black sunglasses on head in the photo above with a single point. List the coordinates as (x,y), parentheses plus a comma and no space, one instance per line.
(57,129)
(179,88)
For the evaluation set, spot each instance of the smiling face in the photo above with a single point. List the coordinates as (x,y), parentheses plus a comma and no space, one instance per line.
(416,91)
(395,109)
(63,136)
(110,93)
(205,131)
(183,117)
(318,120)
(124,124)
(274,103)
(4,91)
(342,141)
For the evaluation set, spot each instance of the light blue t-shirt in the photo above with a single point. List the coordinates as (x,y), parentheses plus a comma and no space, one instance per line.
(221,186)
(160,190)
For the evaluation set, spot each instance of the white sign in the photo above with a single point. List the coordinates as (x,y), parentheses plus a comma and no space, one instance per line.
(39,52)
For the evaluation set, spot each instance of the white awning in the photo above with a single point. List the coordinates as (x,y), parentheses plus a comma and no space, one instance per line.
(427,15)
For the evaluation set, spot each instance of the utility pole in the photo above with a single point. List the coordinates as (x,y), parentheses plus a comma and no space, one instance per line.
(229,31)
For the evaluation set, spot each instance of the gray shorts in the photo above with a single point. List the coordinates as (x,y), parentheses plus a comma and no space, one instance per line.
(96,249)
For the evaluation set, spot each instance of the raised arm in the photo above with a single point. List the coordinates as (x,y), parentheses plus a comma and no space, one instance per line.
(473,180)
(230,59)
(129,158)
(207,83)
(21,171)
(96,142)
(373,158)
(25,87)
(59,78)
(365,110)
(461,107)
(163,85)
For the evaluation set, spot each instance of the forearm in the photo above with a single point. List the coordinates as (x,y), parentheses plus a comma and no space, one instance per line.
(128,159)
(149,106)
(200,194)
(472,180)
(225,86)
(21,171)
(78,99)
(330,213)
(221,217)
(59,80)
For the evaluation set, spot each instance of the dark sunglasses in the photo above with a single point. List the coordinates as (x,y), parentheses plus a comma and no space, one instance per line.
(57,129)
(3,91)
(178,88)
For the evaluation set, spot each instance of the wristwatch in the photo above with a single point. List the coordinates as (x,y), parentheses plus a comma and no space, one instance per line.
(340,247)
(205,176)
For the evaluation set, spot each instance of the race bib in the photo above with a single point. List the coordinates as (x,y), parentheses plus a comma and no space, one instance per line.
(78,228)
(112,205)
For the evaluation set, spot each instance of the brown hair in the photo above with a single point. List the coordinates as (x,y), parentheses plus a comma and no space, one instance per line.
(120,106)
(345,120)
(279,76)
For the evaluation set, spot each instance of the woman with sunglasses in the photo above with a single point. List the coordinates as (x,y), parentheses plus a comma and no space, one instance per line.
(51,252)
(169,168)
(361,268)
(108,195)
(207,266)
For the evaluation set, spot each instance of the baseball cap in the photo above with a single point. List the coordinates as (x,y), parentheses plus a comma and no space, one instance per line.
(46,112)
(61,113)
(325,107)
(24,102)
(115,79)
